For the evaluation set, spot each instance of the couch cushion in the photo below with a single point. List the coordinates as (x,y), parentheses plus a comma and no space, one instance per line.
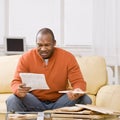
(7,69)
(94,72)
(3,98)
(109,96)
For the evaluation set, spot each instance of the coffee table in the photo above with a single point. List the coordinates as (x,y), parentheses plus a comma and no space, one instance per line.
(77,116)
(25,116)
(48,115)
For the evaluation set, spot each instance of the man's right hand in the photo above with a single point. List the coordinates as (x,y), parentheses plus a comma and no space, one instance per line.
(22,90)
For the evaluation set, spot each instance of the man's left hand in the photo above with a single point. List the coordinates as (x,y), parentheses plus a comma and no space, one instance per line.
(73,96)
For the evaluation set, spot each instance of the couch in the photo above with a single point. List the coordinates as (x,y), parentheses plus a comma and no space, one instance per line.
(94,72)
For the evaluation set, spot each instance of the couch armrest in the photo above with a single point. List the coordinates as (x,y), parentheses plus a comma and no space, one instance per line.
(109,96)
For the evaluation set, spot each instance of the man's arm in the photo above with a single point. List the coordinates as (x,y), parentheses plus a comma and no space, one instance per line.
(75,75)
(76,79)
(17,86)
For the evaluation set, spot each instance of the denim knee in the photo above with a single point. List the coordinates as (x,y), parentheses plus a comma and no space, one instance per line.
(88,100)
(85,100)
(10,99)
(13,103)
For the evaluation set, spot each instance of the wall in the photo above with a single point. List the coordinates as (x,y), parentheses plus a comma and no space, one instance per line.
(23,19)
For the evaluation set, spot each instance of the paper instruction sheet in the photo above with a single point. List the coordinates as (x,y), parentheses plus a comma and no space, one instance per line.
(67,91)
(35,81)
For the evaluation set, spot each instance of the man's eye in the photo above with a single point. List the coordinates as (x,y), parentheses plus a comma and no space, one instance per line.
(47,45)
(39,45)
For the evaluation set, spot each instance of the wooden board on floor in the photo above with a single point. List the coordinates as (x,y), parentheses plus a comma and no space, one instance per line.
(88,112)
(97,117)
(99,109)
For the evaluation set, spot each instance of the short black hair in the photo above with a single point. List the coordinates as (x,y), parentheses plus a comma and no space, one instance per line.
(46,31)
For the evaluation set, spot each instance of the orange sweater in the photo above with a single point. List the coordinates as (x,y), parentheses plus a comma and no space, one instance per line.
(61,67)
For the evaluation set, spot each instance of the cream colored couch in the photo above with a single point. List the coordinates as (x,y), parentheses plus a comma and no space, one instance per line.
(94,72)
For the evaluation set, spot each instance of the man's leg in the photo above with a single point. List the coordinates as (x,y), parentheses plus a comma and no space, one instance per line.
(28,103)
(64,101)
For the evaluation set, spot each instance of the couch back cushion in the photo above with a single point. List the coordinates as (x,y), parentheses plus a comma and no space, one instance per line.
(7,69)
(109,97)
(94,72)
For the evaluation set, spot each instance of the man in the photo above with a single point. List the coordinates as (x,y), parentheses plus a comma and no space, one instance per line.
(58,66)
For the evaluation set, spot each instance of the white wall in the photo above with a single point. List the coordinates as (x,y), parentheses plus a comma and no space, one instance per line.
(105,29)
(78,22)
(2,20)
(26,17)
(71,25)
(118,29)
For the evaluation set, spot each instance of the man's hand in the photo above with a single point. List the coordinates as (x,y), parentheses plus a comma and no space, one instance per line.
(22,90)
(74,96)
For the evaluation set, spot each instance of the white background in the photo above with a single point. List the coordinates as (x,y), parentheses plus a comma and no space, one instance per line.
(26,17)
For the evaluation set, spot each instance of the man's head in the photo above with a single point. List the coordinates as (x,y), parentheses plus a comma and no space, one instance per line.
(45,42)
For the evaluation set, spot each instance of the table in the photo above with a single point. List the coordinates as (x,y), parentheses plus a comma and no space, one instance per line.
(25,116)
(78,116)
(48,115)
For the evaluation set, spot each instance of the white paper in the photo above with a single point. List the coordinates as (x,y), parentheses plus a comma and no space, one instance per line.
(35,81)
(40,116)
(77,92)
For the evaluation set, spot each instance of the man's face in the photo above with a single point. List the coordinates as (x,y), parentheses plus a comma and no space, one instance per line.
(45,45)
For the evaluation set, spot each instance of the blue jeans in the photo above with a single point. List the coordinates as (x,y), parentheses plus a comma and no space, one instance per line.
(31,103)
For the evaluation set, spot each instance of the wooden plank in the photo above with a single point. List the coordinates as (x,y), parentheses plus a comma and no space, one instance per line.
(21,116)
(90,117)
(69,109)
(83,112)
(68,119)
(78,116)
(102,110)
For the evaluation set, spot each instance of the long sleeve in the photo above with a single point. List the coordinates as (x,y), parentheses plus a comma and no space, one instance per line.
(21,67)
(75,75)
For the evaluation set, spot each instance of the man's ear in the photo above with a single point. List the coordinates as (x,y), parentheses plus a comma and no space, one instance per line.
(54,42)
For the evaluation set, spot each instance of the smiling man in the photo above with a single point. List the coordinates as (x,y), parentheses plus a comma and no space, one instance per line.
(58,66)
